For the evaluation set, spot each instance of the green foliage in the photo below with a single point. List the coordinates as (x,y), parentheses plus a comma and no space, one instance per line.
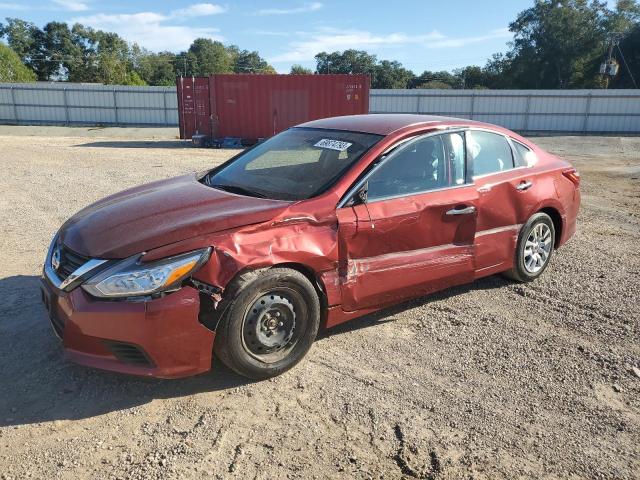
(388,74)
(11,68)
(157,68)
(557,44)
(300,70)
(245,61)
(349,61)
(384,74)
(630,45)
(206,57)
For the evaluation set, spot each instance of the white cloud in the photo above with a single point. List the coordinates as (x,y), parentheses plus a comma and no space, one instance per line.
(199,10)
(329,40)
(149,29)
(72,6)
(307,7)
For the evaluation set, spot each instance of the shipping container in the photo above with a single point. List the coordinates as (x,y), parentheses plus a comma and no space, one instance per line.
(253,106)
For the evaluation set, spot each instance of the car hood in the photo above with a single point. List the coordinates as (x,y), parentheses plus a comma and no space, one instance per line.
(158,214)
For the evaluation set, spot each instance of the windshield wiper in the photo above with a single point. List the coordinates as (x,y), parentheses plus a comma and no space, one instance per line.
(238,189)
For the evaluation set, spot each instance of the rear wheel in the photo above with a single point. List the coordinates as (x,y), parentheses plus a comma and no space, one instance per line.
(269,323)
(534,248)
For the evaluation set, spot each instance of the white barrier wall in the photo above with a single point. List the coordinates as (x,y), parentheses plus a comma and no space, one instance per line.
(87,104)
(579,111)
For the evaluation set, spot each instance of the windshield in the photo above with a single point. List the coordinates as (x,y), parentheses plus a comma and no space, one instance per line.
(296,164)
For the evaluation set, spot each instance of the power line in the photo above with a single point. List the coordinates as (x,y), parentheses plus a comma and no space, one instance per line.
(627,66)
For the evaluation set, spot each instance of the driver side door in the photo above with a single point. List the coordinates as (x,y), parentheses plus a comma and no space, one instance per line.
(414,233)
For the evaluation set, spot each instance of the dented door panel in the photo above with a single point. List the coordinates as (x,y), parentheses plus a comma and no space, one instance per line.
(395,249)
(504,207)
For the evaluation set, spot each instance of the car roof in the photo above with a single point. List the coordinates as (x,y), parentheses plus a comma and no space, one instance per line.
(387,123)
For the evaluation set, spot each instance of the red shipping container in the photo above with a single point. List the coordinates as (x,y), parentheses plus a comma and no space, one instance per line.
(252,106)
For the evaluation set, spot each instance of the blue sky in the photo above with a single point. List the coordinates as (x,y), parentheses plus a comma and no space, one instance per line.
(421,34)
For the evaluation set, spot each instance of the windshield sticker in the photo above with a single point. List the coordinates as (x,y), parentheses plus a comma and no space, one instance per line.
(333,144)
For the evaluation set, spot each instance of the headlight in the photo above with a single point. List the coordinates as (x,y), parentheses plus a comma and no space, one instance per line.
(130,277)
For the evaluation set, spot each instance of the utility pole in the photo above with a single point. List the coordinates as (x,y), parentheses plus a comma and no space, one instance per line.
(610,67)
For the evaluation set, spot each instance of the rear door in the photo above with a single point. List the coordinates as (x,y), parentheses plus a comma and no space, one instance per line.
(507,192)
(415,232)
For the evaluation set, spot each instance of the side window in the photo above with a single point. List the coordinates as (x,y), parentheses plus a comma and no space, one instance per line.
(488,152)
(524,156)
(417,166)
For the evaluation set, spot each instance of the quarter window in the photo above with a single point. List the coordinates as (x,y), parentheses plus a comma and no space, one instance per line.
(524,156)
(488,152)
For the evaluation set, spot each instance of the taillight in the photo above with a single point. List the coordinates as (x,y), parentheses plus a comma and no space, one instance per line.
(573,175)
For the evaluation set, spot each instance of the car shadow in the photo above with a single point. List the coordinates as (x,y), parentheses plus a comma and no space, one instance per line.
(388,314)
(139,144)
(38,385)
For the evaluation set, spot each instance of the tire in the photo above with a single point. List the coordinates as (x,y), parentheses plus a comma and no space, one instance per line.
(269,322)
(526,267)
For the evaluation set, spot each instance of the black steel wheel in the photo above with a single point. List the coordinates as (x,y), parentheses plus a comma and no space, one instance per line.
(269,322)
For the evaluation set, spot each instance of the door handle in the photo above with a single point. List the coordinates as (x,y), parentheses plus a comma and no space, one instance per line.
(462,211)
(524,185)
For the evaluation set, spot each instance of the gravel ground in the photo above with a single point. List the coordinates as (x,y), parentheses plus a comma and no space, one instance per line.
(491,380)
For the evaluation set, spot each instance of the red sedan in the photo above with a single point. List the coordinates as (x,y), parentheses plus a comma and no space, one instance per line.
(320,224)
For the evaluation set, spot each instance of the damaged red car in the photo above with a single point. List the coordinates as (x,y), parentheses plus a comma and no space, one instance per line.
(320,224)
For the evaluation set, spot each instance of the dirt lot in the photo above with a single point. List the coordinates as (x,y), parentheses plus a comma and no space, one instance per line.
(492,380)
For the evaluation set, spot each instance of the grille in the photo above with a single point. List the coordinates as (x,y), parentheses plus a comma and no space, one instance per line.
(129,353)
(69,262)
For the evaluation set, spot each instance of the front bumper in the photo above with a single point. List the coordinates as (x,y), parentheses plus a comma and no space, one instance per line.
(159,338)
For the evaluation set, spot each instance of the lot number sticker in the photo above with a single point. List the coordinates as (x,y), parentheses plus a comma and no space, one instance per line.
(333,144)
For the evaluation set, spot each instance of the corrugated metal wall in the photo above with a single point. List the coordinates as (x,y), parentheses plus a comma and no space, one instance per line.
(581,111)
(87,104)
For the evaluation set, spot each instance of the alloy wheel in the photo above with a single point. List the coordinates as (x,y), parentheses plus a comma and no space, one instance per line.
(537,248)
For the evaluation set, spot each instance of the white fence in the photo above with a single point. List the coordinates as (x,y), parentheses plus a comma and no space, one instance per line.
(86,104)
(580,111)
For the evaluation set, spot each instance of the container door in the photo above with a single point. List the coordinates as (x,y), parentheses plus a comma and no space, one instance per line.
(193,107)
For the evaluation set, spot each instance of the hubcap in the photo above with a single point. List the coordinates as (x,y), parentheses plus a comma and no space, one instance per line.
(537,248)
(269,324)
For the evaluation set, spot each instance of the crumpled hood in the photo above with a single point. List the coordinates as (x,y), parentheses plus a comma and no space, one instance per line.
(160,213)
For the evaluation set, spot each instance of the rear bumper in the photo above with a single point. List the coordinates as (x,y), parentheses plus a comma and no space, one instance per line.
(158,338)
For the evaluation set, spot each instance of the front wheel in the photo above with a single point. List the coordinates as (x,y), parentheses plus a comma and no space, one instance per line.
(534,248)
(269,323)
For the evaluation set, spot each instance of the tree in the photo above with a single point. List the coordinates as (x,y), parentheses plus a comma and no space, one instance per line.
(11,68)
(442,79)
(630,48)
(20,35)
(245,61)
(300,70)
(157,68)
(206,57)
(557,44)
(349,61)
(391,75)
